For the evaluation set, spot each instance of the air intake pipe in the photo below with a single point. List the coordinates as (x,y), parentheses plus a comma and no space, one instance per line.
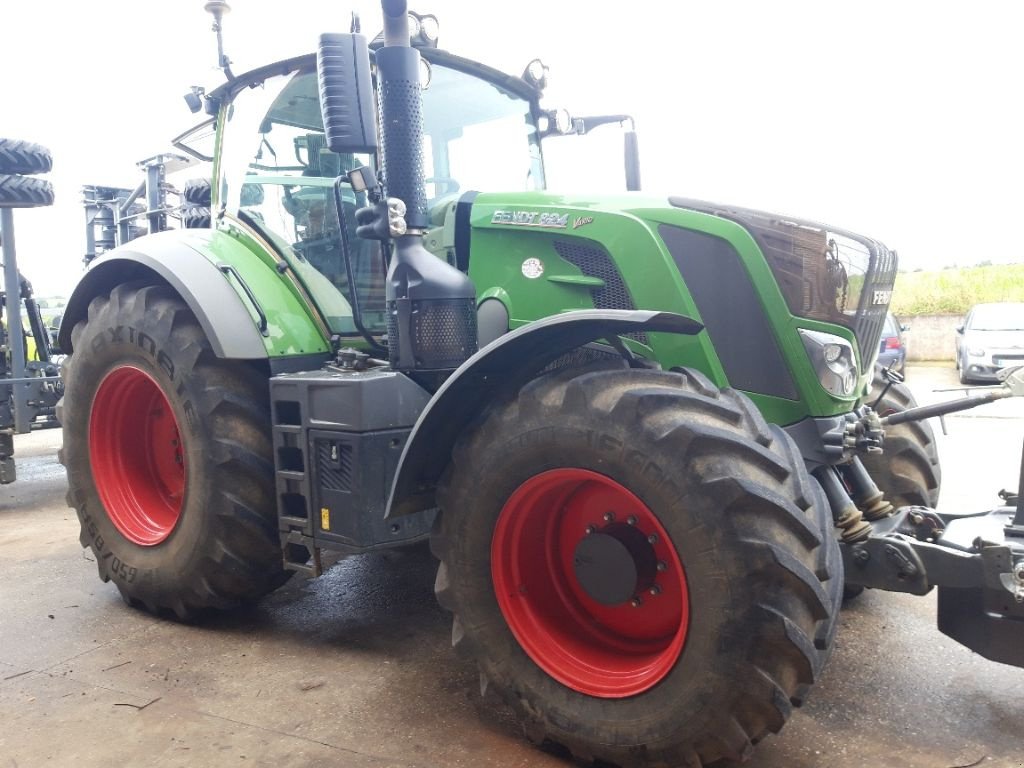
(431,305)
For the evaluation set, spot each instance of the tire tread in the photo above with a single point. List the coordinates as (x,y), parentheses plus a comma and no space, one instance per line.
(241,560)
(685,412)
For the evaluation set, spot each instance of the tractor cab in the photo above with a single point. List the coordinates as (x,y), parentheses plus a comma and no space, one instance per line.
(277,174)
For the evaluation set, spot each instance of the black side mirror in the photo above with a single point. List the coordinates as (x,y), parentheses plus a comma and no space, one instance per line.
(346,93)
(959,329)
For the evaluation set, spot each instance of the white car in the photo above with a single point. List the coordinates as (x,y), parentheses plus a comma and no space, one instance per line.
(991,338)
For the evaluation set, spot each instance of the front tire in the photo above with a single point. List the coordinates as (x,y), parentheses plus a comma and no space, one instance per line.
(961,369)
(168,455)
(640,565)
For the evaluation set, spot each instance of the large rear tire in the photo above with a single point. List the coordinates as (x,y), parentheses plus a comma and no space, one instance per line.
(168,456)
(640,565)
(907,471)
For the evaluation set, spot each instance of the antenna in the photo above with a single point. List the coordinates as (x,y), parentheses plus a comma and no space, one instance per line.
(217,9)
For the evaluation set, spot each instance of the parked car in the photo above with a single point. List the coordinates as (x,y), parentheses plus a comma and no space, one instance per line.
(892,348)
(991,338)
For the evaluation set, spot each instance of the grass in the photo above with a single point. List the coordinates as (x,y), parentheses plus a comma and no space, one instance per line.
(954,291)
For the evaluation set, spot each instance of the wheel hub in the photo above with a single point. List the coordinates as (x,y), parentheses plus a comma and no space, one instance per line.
(589,583)
(615,564)
(137,458)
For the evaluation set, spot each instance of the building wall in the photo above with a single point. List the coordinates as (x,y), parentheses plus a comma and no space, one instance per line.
(931,337)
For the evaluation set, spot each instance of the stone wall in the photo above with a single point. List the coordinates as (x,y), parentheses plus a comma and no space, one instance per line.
(931,337)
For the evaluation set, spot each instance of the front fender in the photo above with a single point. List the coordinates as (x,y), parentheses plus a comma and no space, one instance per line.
(207,269)
(504,365)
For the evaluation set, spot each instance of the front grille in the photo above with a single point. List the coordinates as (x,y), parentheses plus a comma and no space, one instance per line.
(593,261)
(874,301)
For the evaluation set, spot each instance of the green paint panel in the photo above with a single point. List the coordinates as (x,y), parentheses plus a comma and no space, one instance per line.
(292,329)
(509,230)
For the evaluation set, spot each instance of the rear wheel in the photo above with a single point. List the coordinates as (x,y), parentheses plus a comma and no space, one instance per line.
(908,470)
(168,455)
(640,565)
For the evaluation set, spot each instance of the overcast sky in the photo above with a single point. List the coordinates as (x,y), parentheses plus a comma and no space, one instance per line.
(902,120)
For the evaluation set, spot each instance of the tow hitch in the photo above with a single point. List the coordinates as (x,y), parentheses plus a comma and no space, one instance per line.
(976,560)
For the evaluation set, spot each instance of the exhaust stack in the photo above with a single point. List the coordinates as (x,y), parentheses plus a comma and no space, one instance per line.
(431,305)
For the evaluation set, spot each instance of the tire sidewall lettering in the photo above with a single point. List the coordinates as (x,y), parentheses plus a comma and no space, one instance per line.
(145,343)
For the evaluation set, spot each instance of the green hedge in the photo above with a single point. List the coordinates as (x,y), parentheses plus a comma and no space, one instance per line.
(954,291)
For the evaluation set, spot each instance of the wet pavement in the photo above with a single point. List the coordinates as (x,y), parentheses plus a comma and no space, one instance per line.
(354,669)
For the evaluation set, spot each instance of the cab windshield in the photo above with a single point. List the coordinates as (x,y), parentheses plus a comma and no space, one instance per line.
(278,175)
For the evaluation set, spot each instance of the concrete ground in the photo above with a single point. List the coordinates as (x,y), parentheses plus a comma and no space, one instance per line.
(354,669)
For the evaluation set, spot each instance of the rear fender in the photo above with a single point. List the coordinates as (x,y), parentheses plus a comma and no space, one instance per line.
(505,365)
(243,305)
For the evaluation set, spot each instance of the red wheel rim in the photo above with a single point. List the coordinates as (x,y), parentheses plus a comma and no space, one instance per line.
(600,649)
(138,464)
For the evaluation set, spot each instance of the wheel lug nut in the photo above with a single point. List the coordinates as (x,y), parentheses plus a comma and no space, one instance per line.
(609,516)
(631,520)
(636,602)
(590,529)
(662,567)
(655,590)
(652,539)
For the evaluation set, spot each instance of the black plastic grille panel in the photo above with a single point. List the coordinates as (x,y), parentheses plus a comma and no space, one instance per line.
(443,331)
(593,261)
(881,276)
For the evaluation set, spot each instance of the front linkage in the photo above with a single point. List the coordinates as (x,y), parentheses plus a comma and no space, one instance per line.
(975,559)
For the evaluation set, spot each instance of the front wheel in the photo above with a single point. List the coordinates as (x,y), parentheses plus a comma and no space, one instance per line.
(640,565)
(961,369)
(168,455)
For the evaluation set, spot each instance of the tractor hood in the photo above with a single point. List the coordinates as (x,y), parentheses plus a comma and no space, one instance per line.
(758,281)
(825,274)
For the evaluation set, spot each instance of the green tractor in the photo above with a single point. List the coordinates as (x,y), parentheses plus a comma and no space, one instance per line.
(635,429)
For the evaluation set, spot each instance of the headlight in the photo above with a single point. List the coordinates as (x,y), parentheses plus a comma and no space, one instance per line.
(536,74)
(976,351)
(832,352)
(833,361)
(563,120)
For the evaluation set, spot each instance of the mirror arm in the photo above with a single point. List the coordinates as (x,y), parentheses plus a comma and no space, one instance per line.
(584,125)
